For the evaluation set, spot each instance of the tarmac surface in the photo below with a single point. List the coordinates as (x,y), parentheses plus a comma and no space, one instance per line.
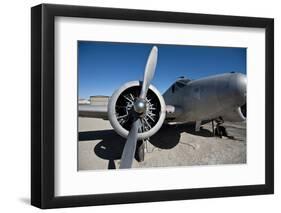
(100,147)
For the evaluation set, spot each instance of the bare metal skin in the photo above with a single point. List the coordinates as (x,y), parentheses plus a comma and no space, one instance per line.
(208,98)
(137,110)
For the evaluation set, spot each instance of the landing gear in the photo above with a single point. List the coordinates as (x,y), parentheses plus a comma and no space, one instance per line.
(220,130)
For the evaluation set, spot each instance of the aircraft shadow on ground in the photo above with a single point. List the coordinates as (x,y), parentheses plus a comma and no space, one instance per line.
(109,148)
(111,145)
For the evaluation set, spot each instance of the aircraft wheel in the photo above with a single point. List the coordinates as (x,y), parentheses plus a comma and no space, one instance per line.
(221,131)
(217,132)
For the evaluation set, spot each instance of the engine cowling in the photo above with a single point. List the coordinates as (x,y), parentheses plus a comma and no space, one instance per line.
(121,104)
(244,110)
(238,114)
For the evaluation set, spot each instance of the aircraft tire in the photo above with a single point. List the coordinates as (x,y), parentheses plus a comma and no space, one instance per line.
(221,131)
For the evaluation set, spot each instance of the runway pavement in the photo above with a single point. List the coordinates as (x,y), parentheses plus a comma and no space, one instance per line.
(99,147)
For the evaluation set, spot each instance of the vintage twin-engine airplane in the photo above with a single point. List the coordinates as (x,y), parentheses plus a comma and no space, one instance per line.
(137,110)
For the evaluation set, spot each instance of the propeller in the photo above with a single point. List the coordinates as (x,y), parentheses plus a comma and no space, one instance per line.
(138,109)
(149,71)
(130,146)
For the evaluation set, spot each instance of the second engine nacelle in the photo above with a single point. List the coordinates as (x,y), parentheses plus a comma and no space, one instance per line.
(236,115)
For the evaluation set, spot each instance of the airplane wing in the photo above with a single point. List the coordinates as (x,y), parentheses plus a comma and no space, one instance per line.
(93,111)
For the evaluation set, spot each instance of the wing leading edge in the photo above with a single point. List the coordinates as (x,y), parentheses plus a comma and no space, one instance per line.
(87,110)
(93,111)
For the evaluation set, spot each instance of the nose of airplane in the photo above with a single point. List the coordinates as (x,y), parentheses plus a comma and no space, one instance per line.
(239,82)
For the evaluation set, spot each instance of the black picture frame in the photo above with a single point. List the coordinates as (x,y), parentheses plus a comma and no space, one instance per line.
(43,117)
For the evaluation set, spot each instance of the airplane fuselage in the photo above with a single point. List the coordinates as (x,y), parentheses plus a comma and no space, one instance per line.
(208,98)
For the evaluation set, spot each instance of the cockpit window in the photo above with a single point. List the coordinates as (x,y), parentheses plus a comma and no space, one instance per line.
(180,85)
(185,81)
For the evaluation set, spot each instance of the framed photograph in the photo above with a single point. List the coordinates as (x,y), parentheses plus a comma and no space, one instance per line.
(139,106)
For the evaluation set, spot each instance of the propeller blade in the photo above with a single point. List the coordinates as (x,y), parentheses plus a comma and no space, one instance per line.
(149,71)
(131,143)
(130,146)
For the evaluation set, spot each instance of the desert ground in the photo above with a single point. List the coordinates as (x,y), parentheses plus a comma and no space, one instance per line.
(100,147)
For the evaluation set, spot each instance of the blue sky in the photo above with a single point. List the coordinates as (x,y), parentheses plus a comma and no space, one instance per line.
(105,66)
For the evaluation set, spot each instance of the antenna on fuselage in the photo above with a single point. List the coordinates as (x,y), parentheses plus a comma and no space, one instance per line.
(181,77)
